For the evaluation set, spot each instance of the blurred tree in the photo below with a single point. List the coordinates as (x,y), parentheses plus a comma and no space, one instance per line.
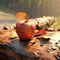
(35,8)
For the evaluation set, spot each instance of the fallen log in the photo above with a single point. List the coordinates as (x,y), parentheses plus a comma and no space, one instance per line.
(19,50)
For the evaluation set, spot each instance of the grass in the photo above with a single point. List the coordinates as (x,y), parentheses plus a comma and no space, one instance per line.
(56,24)
(7,13)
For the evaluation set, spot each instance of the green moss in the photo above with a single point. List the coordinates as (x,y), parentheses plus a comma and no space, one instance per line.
(57,23)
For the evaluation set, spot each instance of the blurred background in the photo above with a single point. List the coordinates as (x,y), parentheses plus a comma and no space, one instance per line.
(34,8)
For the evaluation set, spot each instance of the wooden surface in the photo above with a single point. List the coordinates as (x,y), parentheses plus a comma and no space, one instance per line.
(15,49)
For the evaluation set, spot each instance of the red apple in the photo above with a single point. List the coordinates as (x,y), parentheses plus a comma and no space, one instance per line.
(25,29)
